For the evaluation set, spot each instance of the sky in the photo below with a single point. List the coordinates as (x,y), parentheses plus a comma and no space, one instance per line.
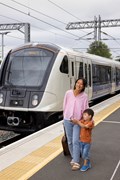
(48,20)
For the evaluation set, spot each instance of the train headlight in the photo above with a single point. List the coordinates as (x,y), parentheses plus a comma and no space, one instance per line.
(35,100)
(1,98)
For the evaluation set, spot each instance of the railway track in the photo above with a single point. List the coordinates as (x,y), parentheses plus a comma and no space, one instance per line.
(10,140)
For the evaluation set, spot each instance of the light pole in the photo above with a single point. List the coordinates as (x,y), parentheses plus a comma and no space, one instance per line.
(3,33)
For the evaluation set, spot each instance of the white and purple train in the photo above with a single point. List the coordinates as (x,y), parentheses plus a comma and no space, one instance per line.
(35,77)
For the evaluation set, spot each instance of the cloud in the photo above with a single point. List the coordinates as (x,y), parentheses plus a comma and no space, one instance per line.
(83,10)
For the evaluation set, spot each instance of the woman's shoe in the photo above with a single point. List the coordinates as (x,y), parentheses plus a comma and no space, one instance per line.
(75,166)
(71,163)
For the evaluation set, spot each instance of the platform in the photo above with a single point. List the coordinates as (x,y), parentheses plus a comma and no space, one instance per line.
(105,156)
(43,158)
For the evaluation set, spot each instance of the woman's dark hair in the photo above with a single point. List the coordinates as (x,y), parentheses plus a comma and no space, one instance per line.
(84,83)
(89,112)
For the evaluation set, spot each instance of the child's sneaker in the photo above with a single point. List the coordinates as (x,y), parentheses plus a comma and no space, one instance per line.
(89,163)
(75,166)
(84,168)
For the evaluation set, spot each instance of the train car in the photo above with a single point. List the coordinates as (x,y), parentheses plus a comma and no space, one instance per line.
(35,77)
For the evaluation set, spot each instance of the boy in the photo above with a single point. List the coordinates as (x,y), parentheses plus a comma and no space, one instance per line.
(86,124)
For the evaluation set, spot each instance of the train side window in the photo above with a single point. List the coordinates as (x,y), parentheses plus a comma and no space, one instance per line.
(101,74)
(105,74)
(96,74)
(80,70)
(72,68)
(89,75)
(103,77)
(64,65)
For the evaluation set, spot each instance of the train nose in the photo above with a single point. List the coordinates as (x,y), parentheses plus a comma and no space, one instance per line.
(13,121)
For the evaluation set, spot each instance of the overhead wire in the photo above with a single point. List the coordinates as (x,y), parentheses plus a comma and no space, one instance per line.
(46,14)
(39,12)
(41,29)
(113,38)
(15,37)
(13,20)
(81,38)
(10,18)
(28,14)
(64,9)
(38,19)
(87,39)
(55,4)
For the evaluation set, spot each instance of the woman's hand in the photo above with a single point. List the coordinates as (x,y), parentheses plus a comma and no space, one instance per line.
(75,121)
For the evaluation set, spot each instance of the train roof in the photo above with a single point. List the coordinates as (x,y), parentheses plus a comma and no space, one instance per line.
(93,57)
(49,46)
(101,59)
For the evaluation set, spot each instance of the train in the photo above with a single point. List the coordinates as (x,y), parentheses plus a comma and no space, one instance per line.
(35,76)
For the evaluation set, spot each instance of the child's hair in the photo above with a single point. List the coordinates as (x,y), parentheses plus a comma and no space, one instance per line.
(89,112)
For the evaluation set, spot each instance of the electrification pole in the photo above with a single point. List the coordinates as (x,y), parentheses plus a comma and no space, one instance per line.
(96,24)
(2,44)
(95,28)
(22,27)
(99,29)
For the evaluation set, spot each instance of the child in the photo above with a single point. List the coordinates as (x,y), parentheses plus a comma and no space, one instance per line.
(86,124)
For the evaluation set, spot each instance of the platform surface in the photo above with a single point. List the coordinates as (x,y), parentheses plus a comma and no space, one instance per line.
(40,157)
(105,156)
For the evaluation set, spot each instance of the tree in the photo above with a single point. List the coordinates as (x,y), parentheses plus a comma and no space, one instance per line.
(99,48)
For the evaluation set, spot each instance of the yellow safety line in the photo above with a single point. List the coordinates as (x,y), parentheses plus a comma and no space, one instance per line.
(29,165)
(99,117)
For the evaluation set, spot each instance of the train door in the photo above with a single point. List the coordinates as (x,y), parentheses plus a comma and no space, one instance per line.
(88,76)
(79,67)
(72,74)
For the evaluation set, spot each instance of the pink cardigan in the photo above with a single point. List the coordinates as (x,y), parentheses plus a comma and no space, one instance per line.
(74,106)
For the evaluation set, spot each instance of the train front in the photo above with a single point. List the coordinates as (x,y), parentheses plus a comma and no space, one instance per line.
(23,78)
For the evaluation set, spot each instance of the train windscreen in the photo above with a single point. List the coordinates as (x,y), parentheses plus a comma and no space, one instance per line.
(27,67)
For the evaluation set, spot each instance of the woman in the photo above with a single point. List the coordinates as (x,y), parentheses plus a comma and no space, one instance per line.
(75,102)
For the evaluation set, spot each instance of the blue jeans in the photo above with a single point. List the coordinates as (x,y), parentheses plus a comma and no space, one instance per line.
(73,138)
(85,150)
